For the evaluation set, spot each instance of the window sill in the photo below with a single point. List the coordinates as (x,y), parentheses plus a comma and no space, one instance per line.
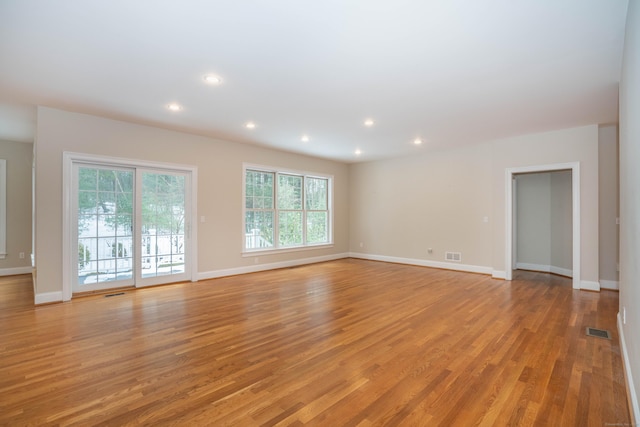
(262,252)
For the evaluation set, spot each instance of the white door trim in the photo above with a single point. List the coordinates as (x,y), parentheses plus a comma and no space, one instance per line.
(68,159)
(575,199)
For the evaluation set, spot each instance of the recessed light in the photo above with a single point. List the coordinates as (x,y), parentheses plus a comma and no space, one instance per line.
(304,138)
(417,141)
(174,107)
(250,125)
(368,122)
(212,79)
(358,152)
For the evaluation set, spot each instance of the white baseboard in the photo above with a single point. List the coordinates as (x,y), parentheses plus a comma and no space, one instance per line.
(498,274)
(609,284)
(48,297)
(626,365)
(590,286)
(533,267)
(561,271)
(271,266)
(545,268)
(15,270)
(426,263)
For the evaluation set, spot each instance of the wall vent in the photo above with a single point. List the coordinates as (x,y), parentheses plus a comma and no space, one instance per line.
(453,256)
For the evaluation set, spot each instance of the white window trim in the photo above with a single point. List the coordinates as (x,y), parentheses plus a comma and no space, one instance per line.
(3,208)
(69,158)
(275,249)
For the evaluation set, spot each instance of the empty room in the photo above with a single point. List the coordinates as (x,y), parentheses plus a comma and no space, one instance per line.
(260,213)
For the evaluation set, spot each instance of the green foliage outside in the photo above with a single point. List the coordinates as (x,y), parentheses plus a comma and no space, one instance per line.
(296,196)
(106,196)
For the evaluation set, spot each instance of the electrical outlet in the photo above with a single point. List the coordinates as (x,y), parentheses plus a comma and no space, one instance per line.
(430,250)
(361,245)
(21,255)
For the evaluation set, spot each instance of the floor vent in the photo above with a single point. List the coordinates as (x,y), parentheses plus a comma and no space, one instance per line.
(114,295)
(599,333)
(453,256)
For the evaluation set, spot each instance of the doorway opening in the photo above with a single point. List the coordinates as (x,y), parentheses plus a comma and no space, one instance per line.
(510,176)
(542,231)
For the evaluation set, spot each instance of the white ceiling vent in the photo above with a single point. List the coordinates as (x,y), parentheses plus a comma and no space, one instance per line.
(453,256)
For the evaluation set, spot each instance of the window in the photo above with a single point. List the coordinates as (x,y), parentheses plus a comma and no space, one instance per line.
(285,209)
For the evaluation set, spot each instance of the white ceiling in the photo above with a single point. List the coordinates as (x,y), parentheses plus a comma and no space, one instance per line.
(449,71)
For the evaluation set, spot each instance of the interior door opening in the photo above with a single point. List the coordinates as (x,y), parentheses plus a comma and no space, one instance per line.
(510,174)
(542,222)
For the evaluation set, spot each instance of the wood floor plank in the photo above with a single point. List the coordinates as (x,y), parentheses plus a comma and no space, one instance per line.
(342,343)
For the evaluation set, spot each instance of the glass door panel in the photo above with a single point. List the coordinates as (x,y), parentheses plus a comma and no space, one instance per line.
(104,212)
(163,216)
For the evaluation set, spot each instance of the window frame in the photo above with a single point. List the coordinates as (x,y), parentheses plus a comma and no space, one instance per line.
(277,247)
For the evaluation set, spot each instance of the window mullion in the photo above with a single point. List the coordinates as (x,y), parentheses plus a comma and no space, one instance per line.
(304,211)
(276,212)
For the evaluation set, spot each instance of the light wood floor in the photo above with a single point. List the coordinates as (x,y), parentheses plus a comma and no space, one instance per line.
(343,343)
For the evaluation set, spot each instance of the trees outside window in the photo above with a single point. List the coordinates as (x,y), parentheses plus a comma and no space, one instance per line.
(106,224)
(285,210)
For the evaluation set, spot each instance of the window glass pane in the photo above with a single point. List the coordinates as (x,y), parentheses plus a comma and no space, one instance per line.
(163,218)
(316,193)
(106,180)
(259,190)
(289,192)
(87,202)
(259,229)
(87,225)
(106,202)
(104,224)
(87,179)
(290,228)
(124,181)
(124,202)
(317,227)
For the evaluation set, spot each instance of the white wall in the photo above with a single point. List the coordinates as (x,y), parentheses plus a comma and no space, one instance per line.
(562,146)
(401,207)
(630,203)
(19,157)
(533,219)
(609,205)
(561,222)
(219,188)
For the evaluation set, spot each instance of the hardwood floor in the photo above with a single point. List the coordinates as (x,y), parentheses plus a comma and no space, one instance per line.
(342,343)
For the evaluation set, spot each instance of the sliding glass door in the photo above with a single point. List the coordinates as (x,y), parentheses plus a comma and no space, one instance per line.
(104,212)
(129,226)
(163,212)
